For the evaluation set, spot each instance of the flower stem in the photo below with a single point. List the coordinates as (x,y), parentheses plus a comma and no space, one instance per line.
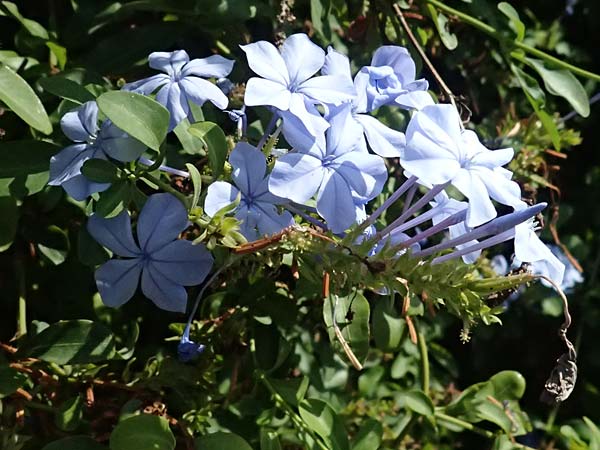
(390,200)
(424,363)
(491,31)
(312,220)
(435,190)
(171,170)
(465,425)
(167,188)
(22,293)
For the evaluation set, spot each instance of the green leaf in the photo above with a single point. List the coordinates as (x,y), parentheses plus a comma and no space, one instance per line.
(416,401)
(138,115)
(100,171)
(563,83)
(114,199)
(352,318)
(59,52)
(441,24)
(143,432)
(65,88)
(22,100)
(323,420)
(69,415)
(594,434)
(369,436)
(10,380)
(25,157)
(269,440)
(221,441)
(292,390)
(508,385)
(31,26)
(536,97)
(197,182)
(214,139)
(71,342)
(9,220)
(389,327)
(75,443)
(190,143)
(514,21)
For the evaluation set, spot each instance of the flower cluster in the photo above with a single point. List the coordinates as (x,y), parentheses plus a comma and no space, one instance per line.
(334,167)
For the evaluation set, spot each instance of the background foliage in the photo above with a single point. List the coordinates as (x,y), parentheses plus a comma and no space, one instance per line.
(273,375)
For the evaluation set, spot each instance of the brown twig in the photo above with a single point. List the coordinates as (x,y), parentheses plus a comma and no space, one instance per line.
(442,84)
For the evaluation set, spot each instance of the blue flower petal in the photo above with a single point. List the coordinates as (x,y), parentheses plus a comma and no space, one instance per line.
(266,61)
(160,222)
(174,99)
(219,195)
(114,233)
(399,59)
(336,63)
(335,203)
(265,92)
(67,163)
(296,176)
(383,140)
(182,262)
(168,62)
(307,114)
(365,173)
(148,85)
(249,167)
(268,219)
(163,292)
(214,66)
(81,123)
(199,91)
(117,280)
(117,144)
(328,89)
(302,57)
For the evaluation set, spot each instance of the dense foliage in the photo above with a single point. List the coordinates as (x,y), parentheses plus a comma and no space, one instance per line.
(280,225)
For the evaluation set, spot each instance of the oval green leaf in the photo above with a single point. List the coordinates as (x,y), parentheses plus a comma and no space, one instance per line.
(221,441)
(141,117)
(22,100)
(75,443)
(213,137)
(143,432)
(71,342)
(65,88)
(322,419)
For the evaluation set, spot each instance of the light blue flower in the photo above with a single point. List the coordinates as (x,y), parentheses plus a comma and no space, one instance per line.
(91,142)
(336,167)
(188,350)
(390,79)
(530,249)
(165,263)
(183,82)
(438,151)
(572,276)
(383,140)
(257,209)
(288,84)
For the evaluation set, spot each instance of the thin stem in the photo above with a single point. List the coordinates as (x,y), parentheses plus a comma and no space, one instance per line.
(491,31)
(22,293)
(288,409)
(171,170)
(464,425)
(435,190)
(424,363)
(268,131)
(390,200)
(312,220)
(424,57)
(409,198)
(166,187)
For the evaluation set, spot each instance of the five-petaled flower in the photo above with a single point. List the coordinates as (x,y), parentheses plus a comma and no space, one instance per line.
(438,151)
(257,209)
(165,263)
(336,167)
(183,81)
(286,82)
(91,142)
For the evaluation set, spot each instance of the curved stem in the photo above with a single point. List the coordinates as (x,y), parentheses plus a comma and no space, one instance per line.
(167,188)
(424,363)
(465,425)
(491,31)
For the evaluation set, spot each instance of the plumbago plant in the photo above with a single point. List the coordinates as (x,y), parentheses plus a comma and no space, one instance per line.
(261,247)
